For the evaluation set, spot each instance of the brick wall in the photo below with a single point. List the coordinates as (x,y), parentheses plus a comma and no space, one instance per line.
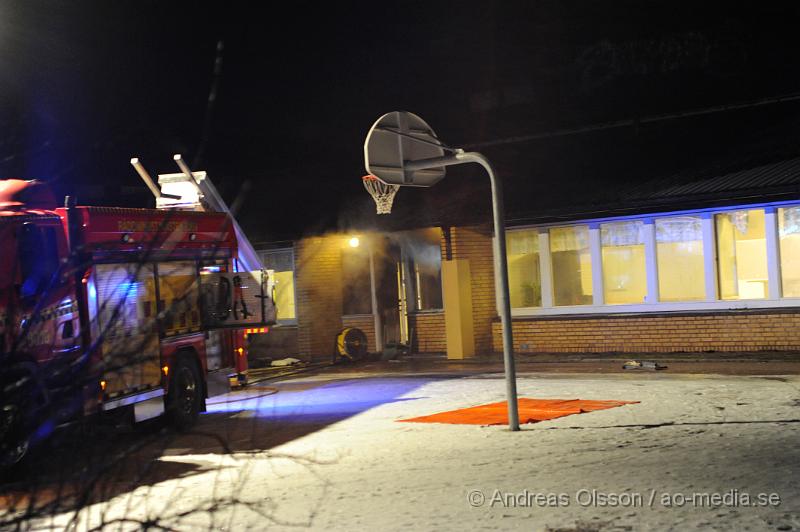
(318,274)
(367,324)
(475,244)
(728,331)
(429,333)
(318,264)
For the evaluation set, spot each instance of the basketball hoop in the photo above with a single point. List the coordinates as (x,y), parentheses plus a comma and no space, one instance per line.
(382,193)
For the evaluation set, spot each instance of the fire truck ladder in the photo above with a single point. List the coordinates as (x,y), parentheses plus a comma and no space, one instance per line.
(187,190)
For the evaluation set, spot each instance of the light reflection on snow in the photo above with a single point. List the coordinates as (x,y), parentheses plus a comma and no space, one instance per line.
(331,400)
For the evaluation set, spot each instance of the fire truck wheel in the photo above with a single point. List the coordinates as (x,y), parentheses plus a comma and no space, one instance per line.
(22,405)
(185,393)
(13,448)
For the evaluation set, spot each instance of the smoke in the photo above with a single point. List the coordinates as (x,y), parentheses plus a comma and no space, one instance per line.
(335,265)
(421,246)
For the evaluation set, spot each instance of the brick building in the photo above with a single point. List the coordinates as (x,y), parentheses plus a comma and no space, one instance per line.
(692,263)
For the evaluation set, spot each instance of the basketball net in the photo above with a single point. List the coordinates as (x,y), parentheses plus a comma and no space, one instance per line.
(382,193)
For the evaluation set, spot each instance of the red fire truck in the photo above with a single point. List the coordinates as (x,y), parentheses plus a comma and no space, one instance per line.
(115,310)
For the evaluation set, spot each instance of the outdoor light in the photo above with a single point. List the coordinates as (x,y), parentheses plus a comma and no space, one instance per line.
(354,242)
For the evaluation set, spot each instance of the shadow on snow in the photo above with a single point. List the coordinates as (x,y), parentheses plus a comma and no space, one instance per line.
(91,465)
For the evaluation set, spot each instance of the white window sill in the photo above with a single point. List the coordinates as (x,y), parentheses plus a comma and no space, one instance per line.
(644,308)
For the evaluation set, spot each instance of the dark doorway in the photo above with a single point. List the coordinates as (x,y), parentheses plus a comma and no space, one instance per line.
(388,292)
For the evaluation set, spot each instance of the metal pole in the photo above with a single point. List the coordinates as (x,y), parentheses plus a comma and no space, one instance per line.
(500,264)
(376,317)
(137,165)
(185,169)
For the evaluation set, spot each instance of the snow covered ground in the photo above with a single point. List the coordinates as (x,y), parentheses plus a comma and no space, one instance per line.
(328,453)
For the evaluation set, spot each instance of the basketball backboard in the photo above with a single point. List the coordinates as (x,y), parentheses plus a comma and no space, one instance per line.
(397,138)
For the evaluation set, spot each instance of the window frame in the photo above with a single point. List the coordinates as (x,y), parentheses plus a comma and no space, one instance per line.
(775,271)
(535,235)
(262,255)
(656,291)
(410,277)
(641,226)
(590,240)
(652,304)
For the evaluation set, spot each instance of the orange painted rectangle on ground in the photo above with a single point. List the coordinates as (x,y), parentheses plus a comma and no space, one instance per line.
(530,411)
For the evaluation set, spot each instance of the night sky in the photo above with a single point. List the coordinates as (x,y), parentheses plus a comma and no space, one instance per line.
(87,85)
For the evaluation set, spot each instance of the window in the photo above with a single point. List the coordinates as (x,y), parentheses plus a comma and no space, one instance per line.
(789,234)
(679,253)
(524,280)
(572,265)
(281,261)
(675,251)
(356,296)
(742,254)
(38,255)
(624,275)
(426,267)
